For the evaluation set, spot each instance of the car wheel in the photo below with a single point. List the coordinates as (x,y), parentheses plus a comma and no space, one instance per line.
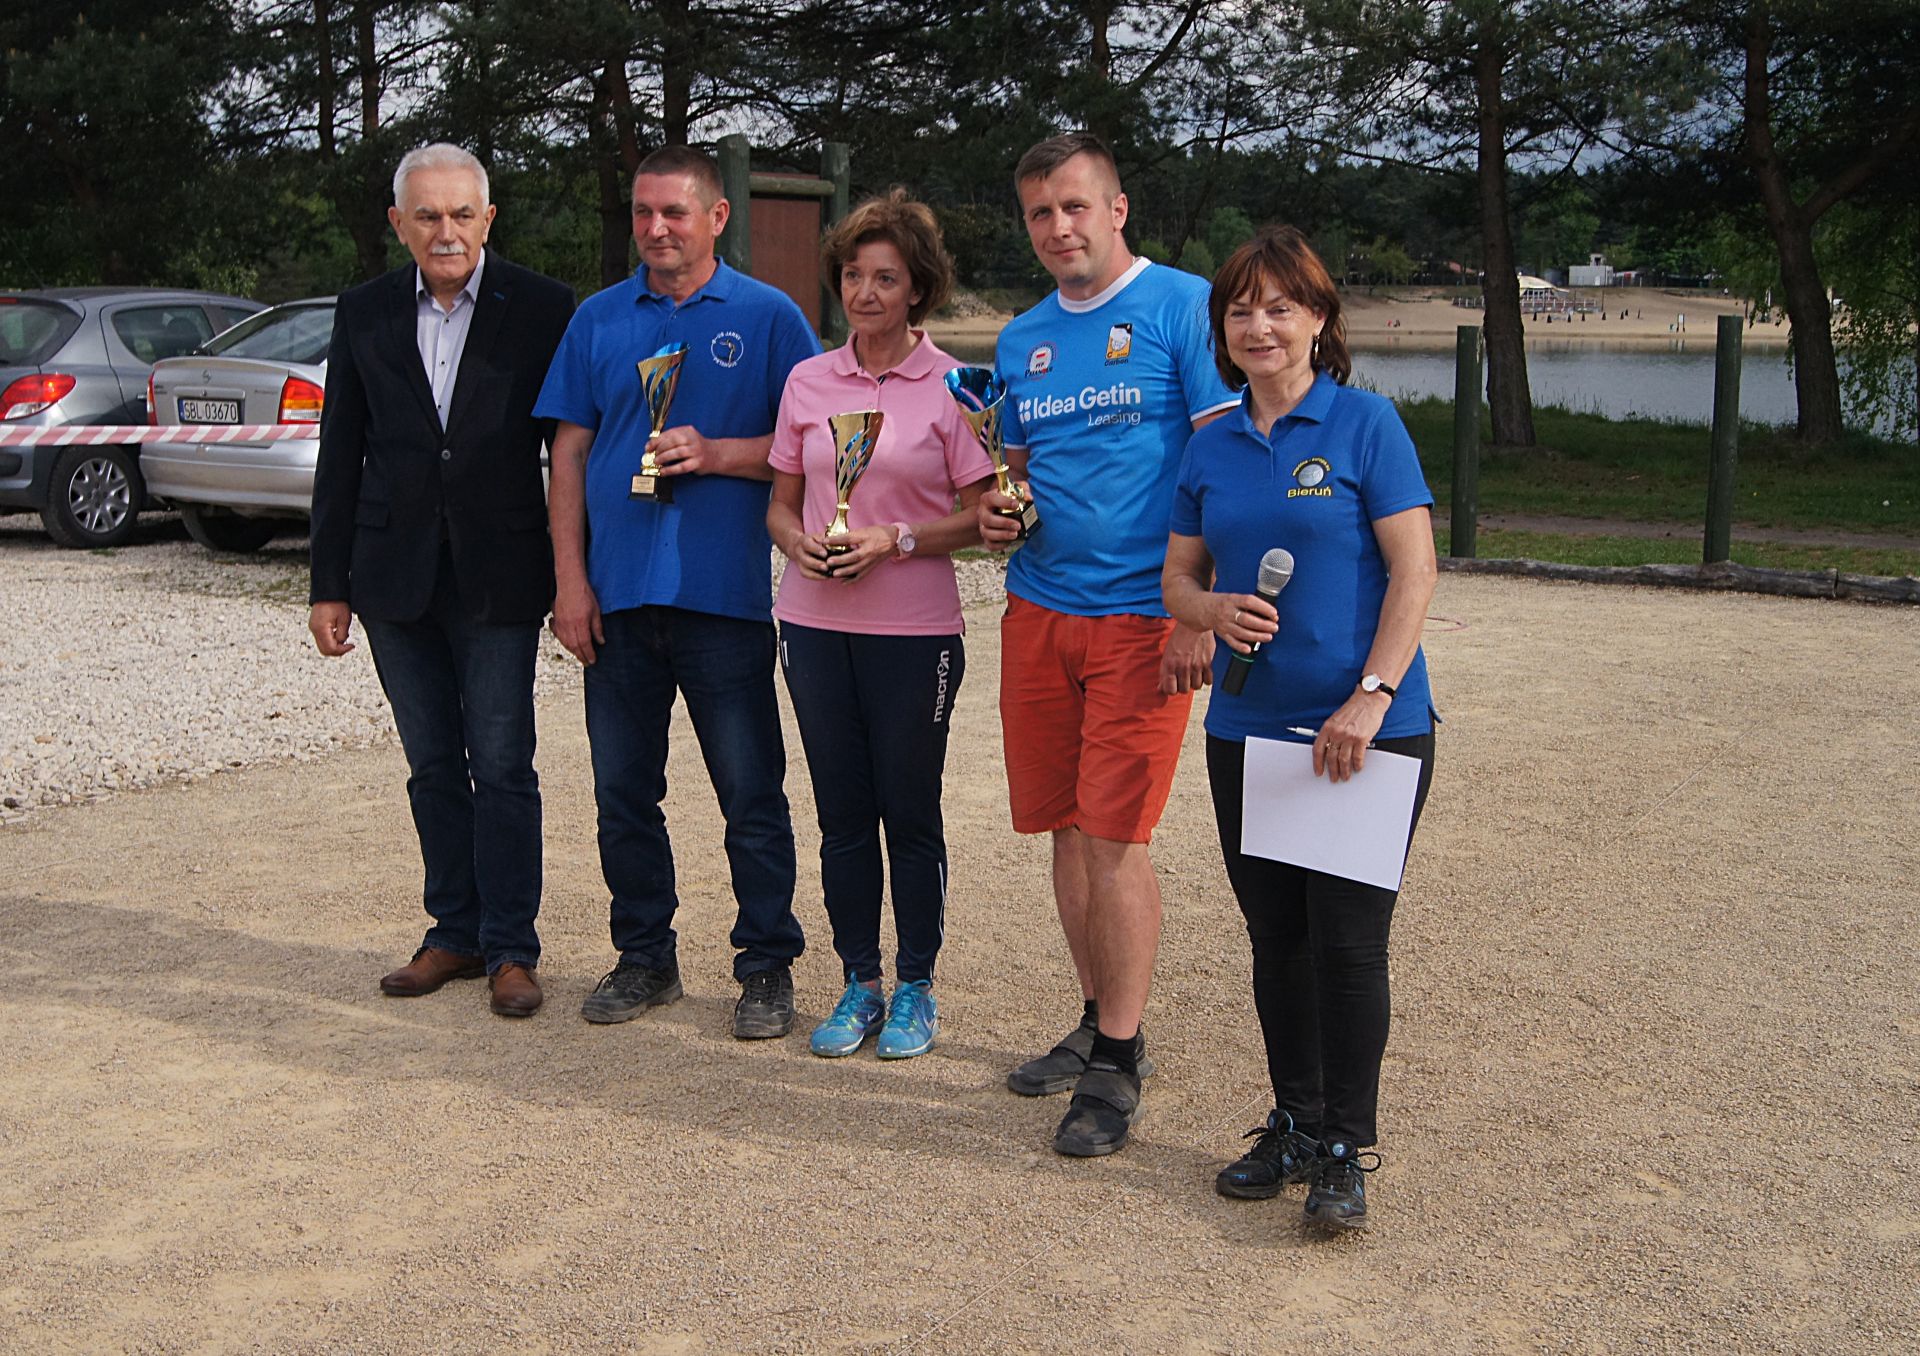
(219,531)
(94,497)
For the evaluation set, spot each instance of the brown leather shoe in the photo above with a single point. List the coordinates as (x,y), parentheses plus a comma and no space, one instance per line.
(430,967)
(516,993)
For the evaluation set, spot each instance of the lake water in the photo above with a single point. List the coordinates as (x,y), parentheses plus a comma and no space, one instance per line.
(1586,375)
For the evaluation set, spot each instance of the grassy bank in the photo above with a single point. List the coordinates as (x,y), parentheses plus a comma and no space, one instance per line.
(1593,467)
(1683,549)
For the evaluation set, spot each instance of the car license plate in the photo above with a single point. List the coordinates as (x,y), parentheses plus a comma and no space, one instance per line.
(209,411)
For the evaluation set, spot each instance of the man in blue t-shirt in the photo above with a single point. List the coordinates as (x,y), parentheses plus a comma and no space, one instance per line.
(658,597)
(1106,379)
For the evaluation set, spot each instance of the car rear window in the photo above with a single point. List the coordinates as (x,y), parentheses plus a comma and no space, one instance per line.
(32,331)
(155,332)
(285,334)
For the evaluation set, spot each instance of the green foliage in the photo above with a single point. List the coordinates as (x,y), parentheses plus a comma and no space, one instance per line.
(1195,257)
(1588,466)
(1227,230)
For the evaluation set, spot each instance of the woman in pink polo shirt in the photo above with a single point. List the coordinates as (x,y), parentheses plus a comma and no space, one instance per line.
(870,636)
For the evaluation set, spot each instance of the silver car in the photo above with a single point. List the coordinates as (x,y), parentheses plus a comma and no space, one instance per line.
(270,369)
(80,355)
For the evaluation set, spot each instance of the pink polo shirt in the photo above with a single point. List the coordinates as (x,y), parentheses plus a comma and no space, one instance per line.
(925,453)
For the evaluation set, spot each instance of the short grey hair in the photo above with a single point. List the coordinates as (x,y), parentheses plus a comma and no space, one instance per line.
(440,155)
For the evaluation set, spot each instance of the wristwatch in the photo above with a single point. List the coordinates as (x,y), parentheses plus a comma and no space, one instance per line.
(1374,683)
(905,540)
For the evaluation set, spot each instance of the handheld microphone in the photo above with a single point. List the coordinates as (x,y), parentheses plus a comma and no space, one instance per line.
(1276,569)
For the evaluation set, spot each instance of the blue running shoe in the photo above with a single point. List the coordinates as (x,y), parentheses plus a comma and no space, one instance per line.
(912,1023)
(855,1017)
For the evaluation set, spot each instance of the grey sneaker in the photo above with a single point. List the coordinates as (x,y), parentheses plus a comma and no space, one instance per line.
(628,990)
(1281,1156)
(765,1009)
(1104,1109)
(1337,1194)
(1060,1068)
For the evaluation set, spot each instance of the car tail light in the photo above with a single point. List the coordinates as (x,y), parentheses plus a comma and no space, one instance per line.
(32,394)
(153,410)
(300,401)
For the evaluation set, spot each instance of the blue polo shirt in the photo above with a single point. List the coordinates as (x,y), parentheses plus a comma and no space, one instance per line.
(1103,394)
(708,550)
(1337,462)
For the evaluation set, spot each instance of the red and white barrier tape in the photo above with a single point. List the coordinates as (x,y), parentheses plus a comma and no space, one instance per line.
(98,435)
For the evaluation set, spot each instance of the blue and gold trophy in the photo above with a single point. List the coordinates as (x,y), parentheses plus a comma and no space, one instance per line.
(855,435)
(981,396)
(659,378)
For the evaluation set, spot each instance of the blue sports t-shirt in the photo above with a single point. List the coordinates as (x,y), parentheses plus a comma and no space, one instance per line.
(1337,462)
(708,550)
(1103,394)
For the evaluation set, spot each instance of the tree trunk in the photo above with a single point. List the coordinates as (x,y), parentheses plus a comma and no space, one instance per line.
(616,199)
(676,74)
(1816,374)
(1509,400)
(361,198)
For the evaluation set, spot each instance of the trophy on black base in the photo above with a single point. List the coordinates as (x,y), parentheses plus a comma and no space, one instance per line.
(659,378)
(855,435)
(981,396)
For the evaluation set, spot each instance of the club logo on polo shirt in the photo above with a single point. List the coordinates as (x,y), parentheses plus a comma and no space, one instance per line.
(727,347)
(1310,478)
(1119,344)
(1040,361)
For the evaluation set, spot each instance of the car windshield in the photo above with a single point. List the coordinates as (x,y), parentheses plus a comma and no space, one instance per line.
(285,334)
(32,331)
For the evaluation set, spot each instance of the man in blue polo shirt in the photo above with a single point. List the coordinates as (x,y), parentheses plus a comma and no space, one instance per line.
(1106,379)
(657,597)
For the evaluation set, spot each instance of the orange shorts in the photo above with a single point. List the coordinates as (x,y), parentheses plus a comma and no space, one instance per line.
(1091,741)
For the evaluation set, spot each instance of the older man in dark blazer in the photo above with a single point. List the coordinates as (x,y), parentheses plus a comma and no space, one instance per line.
(430,522)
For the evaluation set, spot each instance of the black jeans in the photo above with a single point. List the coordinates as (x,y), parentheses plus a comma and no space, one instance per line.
(874,713)
(462,697)
(1319,964)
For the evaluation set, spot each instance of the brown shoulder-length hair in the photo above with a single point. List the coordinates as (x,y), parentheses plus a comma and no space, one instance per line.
(908,226)
(1281,257)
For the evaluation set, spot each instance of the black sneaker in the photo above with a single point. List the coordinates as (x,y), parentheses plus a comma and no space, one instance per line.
(1105,1106)
(628,990)
(1280,1157)
(765,1009)
(1060,1068)
(1337,1197)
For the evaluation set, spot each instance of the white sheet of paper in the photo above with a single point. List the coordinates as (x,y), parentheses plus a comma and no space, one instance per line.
(1356,829)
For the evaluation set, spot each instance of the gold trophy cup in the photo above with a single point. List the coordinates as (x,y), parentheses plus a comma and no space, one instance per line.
(854,437)
(659,378)
(981,396)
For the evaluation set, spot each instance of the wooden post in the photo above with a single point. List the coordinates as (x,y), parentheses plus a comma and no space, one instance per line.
(1726,441)
(1466,441)
(836,169)
(736,242)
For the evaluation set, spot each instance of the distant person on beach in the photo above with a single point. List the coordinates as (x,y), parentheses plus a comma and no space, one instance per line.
(659,599)
(429,521)
(1328,472)
(870,624)
(1106,379)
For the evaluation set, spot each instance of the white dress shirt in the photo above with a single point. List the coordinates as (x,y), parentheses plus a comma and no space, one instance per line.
(442,334)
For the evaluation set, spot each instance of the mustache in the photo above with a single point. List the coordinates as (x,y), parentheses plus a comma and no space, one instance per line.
(455,248)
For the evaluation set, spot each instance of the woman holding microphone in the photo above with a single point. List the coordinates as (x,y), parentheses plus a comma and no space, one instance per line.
(1330,474)
(870,625)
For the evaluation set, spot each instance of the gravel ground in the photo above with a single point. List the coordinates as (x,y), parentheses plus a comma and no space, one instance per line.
(1652,1084)
(159,662)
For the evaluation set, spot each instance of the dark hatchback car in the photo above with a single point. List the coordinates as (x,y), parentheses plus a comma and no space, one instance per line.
(81,355)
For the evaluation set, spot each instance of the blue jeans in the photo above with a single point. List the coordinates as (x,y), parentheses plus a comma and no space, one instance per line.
(462,697)
(874,712)
(723,666)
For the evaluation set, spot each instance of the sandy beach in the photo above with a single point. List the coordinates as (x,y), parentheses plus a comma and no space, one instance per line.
(1426,318)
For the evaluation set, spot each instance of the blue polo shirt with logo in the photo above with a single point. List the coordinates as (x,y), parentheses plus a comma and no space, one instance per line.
(1337,462)
(1103,394)
(708,550)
